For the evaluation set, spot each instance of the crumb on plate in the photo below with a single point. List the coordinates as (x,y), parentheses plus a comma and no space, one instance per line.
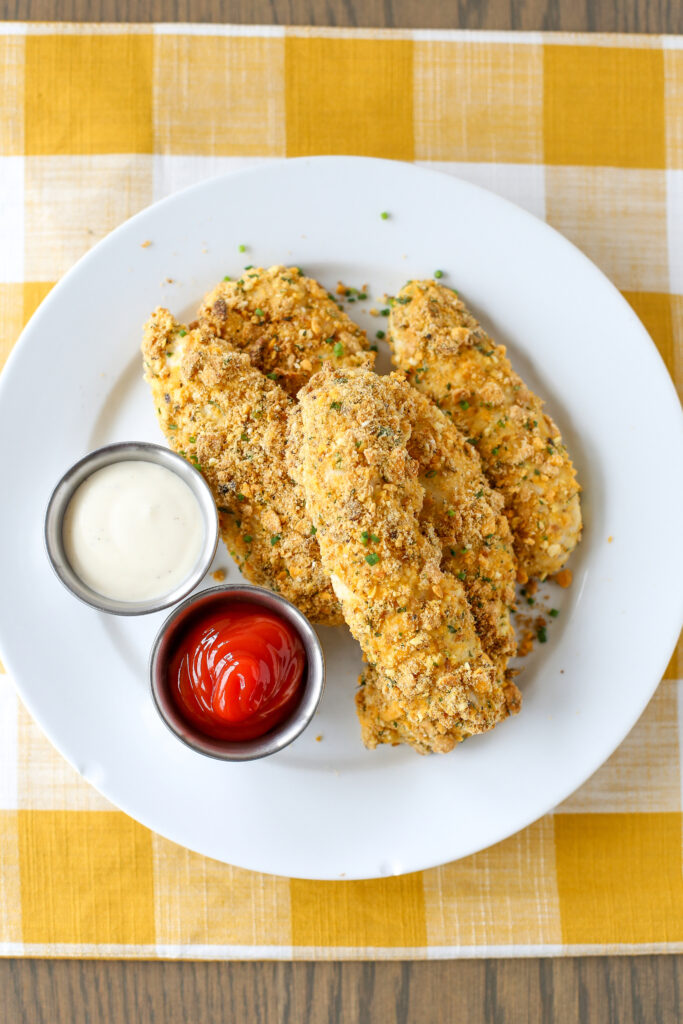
(563,578)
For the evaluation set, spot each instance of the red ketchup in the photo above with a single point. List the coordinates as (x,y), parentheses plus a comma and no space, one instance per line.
(237,672)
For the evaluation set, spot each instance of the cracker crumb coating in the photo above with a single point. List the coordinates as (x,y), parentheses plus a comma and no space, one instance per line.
(411,619)
(286,322)
(447,355)
(230,422)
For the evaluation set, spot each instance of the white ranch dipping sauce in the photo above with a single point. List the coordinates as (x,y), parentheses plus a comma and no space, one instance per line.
(133,531)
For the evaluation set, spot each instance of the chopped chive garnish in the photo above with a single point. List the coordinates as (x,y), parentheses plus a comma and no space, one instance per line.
(338,350)
(248,538)
(182,333)
(380,335)
(542,635)
(554,612)
(243,437)
(462,574)
(384,215)
(335,405)
(227,278)
(451,512)
(274,539)
(313,531)
(272,376)
(242,248)
(384,312)
(240,497)
(438,274)
(464,404)
(451,629)
(259,312)
(372,558)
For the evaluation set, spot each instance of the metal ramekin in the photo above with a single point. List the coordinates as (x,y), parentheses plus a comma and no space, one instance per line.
(278,737)
(136,451)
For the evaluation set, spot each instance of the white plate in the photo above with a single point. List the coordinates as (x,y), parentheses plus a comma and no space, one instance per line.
(330,809)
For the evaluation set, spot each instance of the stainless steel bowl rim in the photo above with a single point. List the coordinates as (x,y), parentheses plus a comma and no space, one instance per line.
(127,451)
(279,737)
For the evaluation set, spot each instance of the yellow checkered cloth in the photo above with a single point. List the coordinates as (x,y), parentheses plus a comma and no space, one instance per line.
(96,122)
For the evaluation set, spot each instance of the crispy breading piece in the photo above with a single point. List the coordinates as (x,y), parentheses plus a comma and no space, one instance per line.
(448,356)
(411,619)
(230,421)
(286,322)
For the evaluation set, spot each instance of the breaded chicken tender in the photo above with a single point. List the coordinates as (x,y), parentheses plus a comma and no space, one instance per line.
(469,521)
(411,619)
(230,421)
(448,356)
(286,322)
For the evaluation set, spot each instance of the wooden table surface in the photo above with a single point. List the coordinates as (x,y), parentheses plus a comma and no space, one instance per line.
(608,990)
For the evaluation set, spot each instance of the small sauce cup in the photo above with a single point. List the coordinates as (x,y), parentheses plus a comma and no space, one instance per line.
(136,451)
(279,736)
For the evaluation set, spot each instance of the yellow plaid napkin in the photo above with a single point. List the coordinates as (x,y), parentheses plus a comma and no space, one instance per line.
(97,121)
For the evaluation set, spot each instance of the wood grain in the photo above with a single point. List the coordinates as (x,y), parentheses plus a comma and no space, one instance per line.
(604,990)
(619,990)
(657,16)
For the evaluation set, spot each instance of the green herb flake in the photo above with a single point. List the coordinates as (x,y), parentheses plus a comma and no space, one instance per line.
(374,538)
(243,437)
(273,376)
(451,629)
(248,538)
(336,406)
(193,439)
(381,335)
(313,531)
(542,635)
(227,278)
(364,537)
(438,274)
(338,350)
(450,513)
(259,312)
(384,312)
(242,248)
(372,558)
(462,574)
(240,497)
(182,333)
(464,404)
(480,493)
(275,539)
(430,474)
(554,612)
(384,215)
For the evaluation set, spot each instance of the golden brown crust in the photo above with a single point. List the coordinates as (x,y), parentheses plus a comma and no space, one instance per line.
(412,619)
(448,356)
(286,323)
(226,418)
(469,521)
